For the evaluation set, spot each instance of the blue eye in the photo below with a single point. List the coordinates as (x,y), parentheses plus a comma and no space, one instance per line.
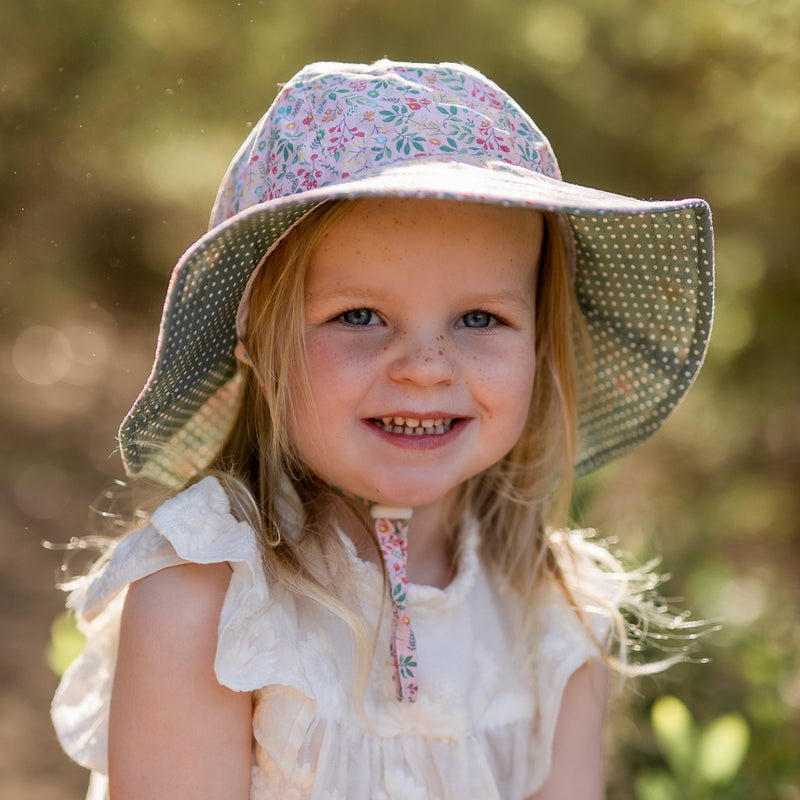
(360,316)
(477,319)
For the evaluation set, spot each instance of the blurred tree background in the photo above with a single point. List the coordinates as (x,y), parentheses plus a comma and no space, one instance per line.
(119,118)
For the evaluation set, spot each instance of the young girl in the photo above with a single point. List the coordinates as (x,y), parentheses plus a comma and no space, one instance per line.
(375,378)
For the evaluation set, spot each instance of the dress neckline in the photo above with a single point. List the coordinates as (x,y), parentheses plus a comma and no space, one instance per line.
(422,597)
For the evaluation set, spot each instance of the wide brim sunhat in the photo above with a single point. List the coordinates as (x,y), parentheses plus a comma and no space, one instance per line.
(642,270)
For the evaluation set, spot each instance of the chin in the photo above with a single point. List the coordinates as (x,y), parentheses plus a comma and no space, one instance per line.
(412,496)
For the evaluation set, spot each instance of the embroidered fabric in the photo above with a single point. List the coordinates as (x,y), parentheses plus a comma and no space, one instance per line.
(481,726)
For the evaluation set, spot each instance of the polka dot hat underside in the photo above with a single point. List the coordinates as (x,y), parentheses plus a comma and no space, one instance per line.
(643,281)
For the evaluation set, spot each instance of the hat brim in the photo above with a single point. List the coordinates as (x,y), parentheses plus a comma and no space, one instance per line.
(643,278)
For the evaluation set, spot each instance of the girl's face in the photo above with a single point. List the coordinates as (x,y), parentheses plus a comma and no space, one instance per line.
(420,345)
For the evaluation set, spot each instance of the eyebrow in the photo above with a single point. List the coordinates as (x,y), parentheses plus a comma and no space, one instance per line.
(474,300)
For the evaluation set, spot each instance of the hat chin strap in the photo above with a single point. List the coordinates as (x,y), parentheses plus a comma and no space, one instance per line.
(391,526)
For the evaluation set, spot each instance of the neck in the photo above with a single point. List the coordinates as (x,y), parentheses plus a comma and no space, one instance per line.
(430,551)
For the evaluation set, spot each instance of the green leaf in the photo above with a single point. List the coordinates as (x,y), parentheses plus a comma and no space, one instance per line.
(676,734)
(657,785)
(723,747)
(407,665)
(66,643)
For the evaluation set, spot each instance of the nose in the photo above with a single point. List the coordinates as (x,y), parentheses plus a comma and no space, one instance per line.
(424,359)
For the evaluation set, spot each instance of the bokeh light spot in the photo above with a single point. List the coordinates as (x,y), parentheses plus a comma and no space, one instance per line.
(41,355)
(556,32)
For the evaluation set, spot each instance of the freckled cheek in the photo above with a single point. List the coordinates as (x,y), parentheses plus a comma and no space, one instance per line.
(338,377)
(332,365)
(507,382)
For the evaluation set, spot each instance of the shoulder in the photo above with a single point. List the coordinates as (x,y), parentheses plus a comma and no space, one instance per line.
(170,624)
(183,598)
(173,727)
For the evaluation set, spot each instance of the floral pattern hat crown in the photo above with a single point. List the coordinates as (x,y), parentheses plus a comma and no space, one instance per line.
(643,270)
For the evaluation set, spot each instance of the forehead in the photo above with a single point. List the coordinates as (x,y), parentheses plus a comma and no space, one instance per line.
(379,236)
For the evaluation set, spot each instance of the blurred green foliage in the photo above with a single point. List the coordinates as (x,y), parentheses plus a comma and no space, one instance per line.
(66,643)
(119,117)
(699,761)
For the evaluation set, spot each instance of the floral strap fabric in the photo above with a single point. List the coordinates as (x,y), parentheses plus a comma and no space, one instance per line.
(391,525)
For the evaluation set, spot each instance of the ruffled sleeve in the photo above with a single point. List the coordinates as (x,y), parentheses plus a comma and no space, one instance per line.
(255,637)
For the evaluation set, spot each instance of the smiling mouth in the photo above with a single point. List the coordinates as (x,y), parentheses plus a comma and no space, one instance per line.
(409,426)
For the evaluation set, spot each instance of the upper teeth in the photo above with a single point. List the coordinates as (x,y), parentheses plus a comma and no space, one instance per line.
(416,425)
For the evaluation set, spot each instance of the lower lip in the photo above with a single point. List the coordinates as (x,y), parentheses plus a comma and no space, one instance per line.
(427,441)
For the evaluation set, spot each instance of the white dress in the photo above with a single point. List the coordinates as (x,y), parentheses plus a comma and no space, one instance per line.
(481,727)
